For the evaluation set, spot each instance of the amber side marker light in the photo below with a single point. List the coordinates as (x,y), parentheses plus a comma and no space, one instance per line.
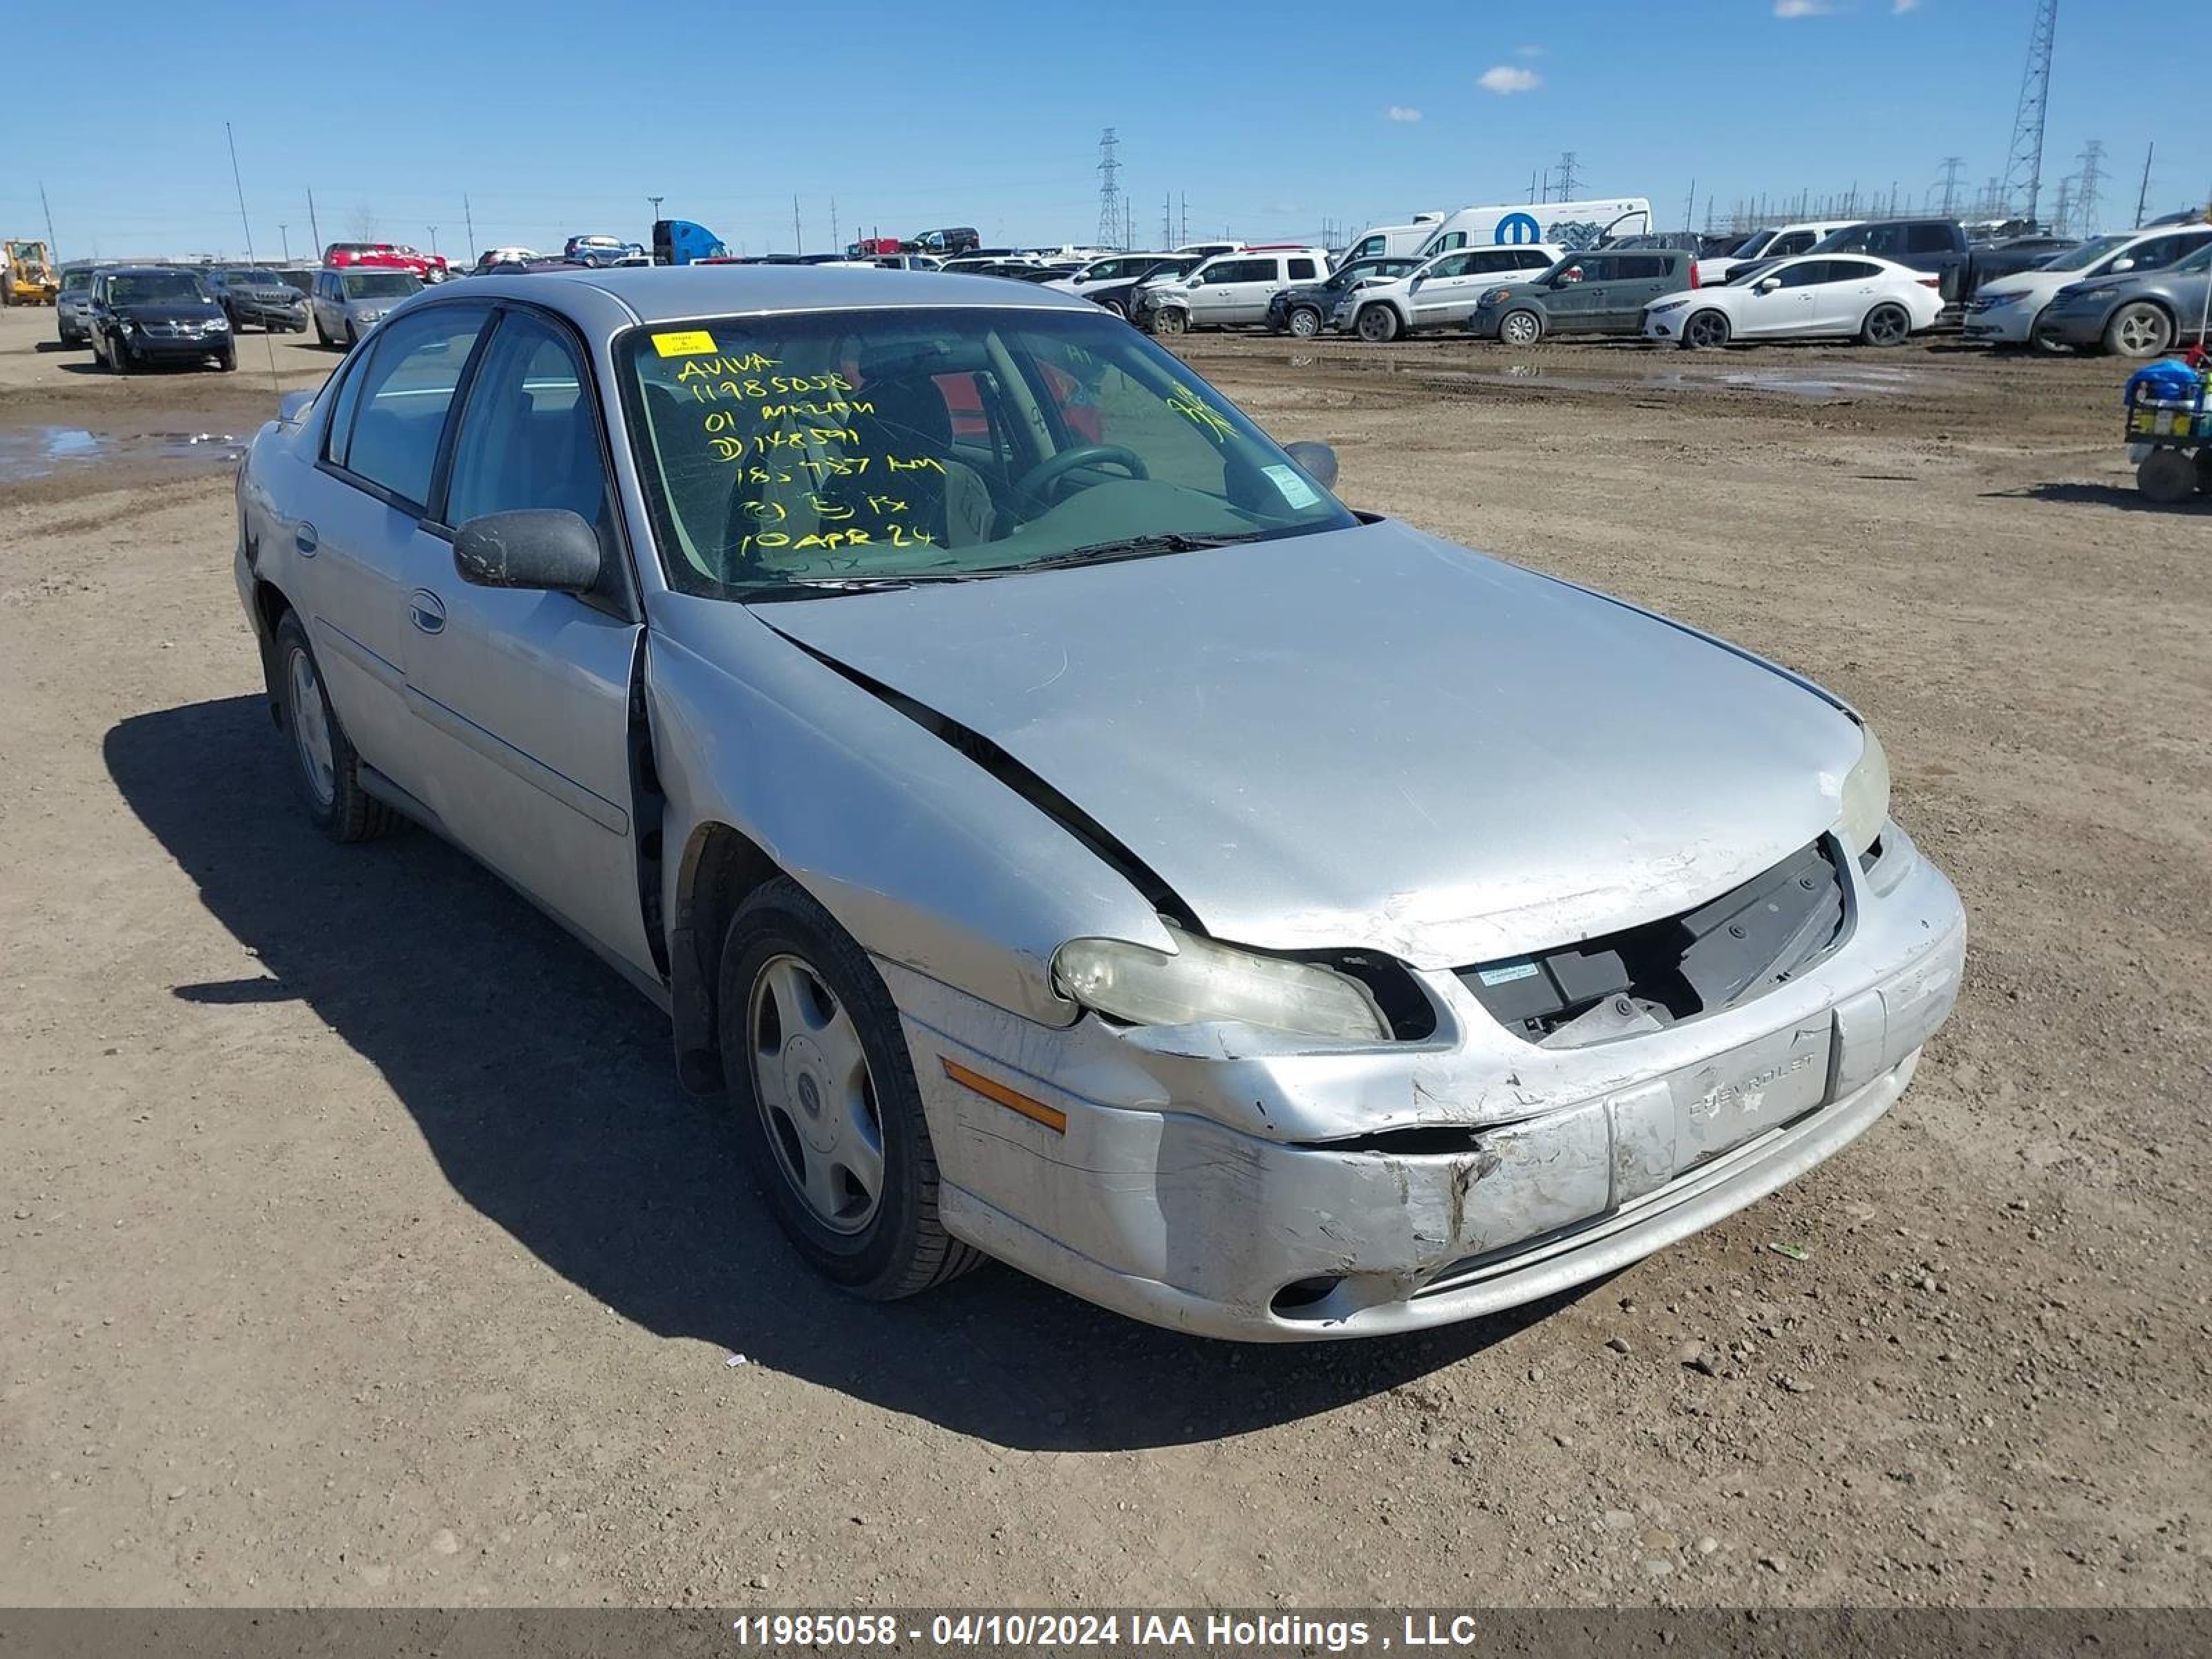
(1036,1110)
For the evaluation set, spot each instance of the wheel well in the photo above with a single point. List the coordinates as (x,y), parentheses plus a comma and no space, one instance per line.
(721,868)
(270,608)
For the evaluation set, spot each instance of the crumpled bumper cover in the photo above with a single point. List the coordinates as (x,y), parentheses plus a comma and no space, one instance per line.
(1152,1204)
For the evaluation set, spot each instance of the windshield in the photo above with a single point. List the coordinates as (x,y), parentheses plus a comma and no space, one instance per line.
(254,278)
(73,281)
(1749,247)
(845,449)
(381,284)
(154,287)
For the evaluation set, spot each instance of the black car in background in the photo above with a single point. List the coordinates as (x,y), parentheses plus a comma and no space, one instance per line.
(2017,253)
(142,315)
(1306,310)
(1938,246)
(251,296)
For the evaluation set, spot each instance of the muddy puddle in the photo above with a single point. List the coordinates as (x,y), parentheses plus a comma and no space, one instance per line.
(39,451)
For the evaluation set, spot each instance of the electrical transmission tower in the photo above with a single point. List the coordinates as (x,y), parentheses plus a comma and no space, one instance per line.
(2085,192)
(2062,213)
(1109,191)
(2024,171)
(1953,165)
(1567,179)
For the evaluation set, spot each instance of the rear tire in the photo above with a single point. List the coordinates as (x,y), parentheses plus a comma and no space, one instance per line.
(813,1132)
(1377,325)
(1707,330)
(2140,329)
(1113,306)
(1885,325)
(2168,477)
(325,763)
(322,334)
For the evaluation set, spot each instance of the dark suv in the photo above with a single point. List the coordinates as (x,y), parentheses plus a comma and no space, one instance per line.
(1602,292)
(145,314)
(1304,311)
(260,297)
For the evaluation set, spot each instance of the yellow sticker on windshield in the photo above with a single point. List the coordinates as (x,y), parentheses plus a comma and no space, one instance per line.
(686,344)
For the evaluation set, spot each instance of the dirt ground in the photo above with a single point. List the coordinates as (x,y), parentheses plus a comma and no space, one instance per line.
(358,1245)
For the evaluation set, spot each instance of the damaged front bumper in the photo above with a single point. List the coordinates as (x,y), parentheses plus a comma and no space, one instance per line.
(1222,1181)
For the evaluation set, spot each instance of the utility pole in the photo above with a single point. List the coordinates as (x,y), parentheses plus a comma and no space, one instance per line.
(433,241)
(655,200)
(2023,182)
(2142,196)
(834,243)
(315,229)
(1689,208)
(1110,188)
(2085,194)
(1167,222)
(797,240)
(469,219)
(284,236)
(55,248)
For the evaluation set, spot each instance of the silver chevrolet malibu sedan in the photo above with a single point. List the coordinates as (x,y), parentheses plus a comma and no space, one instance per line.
(1064,830)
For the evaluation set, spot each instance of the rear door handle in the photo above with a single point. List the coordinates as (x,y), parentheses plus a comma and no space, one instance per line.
(426,611)
(304,539)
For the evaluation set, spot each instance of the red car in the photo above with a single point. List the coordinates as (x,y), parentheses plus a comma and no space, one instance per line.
(386,256)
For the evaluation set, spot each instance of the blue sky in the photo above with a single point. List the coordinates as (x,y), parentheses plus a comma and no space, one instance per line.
(1270,120)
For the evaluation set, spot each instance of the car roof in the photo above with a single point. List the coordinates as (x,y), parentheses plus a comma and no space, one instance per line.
(148,271)
(616,297)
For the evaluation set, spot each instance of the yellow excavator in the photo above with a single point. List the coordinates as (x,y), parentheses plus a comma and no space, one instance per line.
(28,277)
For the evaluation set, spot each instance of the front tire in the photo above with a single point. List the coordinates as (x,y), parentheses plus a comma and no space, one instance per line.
(1171,320)
(1377,325)
(2138,331)
(322,334)
(1885,325)
(325,764)
(821,1085)
(228,362)
(1304,323)
(1705,331)
(1520,328)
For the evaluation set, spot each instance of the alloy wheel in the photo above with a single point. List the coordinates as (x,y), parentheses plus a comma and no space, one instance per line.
(816,1095)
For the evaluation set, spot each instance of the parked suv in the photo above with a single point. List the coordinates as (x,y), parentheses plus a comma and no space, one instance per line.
(1600,293)
(1305,311)
(142,315)
(260,297)
(2140,314)
(1230,288)
(600,250)
(1441,291)
(348,303)
(72,318)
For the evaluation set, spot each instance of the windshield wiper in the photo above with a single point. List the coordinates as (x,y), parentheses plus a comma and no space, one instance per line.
(1132,547)
(823,587)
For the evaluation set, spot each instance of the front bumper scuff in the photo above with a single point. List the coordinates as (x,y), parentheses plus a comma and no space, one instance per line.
(1189,1189)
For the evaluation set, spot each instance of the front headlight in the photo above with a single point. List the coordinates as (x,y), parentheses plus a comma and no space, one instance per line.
(1203,980)
(1497,296)
(1866,798)
(216,325)
(1992,301)
(1668,306)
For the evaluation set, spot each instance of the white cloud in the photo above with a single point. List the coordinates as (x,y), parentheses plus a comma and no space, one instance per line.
(1506,79)
(1898,7)
(1803,8)
(1400,113)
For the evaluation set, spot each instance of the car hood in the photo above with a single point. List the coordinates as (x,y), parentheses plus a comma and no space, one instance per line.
(170,311)
(1371,737)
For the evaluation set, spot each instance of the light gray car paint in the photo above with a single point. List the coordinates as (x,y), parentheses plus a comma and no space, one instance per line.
(1205,1166)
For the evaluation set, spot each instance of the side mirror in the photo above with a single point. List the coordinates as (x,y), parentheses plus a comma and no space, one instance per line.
(544,548)
(1318,459)
(2119,265)
(1767,285)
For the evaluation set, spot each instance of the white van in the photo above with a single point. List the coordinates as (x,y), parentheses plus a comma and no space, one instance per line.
(1571,225)
(1391,241)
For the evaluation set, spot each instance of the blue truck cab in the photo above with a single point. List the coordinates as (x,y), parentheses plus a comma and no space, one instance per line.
(680,242)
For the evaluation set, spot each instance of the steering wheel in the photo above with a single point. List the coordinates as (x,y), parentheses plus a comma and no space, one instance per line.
(1047,473)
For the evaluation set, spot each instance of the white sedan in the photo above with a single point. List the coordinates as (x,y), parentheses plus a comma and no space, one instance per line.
(1871,299)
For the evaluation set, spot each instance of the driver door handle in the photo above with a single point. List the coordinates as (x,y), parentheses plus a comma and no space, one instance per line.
(426,611)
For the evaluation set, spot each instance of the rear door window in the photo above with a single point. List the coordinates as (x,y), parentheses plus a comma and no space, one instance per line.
(1796,241)
(406,391)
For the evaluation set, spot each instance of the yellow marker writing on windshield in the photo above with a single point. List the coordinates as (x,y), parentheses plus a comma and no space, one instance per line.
(685,344)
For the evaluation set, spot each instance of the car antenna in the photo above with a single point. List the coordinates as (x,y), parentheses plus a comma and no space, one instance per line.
(245,224)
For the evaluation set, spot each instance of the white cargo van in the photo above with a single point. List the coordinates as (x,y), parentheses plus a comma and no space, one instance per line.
(1391,241)
(1571,225)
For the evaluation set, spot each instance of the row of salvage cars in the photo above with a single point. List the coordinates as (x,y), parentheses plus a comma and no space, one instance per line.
(964,722)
